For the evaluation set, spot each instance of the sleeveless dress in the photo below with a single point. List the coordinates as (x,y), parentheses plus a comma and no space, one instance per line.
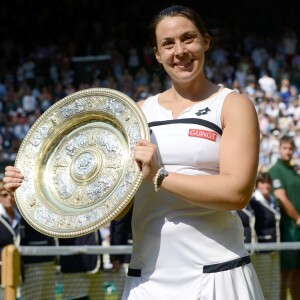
(181,250)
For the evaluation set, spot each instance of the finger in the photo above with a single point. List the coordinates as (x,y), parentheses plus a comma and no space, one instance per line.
(145,148)
(12,179)
(142,157)
(143,143)
(12,186)
(12,169)
(13,173)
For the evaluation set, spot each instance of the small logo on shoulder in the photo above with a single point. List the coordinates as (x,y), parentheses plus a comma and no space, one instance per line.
(203,134)
(202,112)
(276,183)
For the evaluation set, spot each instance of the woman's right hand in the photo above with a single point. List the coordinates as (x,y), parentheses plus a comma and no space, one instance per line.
(146,156)
(12,178)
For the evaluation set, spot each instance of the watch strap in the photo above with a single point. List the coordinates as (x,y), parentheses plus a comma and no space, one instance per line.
(161,174)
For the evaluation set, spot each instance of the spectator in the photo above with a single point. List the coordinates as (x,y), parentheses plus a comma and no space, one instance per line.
(45,99)
(9,224)
(133,63)
(248,219)
(267,217)
(241,75)
(120,234)
(29,102)
(38,272)
(286,186)
(286,91)
(83,277)
(259,56)
(289,43)
(267,84)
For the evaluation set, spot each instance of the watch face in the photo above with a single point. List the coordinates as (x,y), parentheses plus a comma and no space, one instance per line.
(164,172)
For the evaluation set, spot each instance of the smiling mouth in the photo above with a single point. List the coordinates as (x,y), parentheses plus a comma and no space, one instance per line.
(185,64)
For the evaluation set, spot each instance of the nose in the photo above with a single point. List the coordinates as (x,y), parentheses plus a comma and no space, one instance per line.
(180,48)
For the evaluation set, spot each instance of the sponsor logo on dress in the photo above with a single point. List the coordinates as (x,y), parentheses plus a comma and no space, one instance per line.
(203,134)
(202,112)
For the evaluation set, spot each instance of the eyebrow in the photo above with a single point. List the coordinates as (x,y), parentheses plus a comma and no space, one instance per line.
(191,32)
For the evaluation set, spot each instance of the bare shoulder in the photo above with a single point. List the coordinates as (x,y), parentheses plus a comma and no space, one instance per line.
(237,106)
(238,99)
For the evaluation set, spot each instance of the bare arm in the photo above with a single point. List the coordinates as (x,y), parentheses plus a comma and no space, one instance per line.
(287,205)
(233,187)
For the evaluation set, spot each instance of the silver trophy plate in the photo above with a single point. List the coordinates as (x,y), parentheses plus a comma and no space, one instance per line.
(78,163)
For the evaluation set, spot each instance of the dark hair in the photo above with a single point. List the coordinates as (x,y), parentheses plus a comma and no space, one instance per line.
(173,11)
(263,177)
(286,139)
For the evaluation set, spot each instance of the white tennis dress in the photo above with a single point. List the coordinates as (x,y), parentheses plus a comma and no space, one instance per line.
(182,251)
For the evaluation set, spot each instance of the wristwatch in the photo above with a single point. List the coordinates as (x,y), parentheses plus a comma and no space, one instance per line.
(161,174)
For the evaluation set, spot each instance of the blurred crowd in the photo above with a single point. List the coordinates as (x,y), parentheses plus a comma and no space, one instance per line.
(38,74)
(267,69)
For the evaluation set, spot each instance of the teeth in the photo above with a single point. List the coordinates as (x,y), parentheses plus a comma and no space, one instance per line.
(185,64)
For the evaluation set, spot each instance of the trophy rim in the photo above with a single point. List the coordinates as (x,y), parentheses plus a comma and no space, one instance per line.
(44,199)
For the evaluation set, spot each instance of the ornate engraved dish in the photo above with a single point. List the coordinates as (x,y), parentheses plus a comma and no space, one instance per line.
(78,165)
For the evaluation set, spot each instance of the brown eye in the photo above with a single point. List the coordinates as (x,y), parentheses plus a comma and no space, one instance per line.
(189,39)
(167,44)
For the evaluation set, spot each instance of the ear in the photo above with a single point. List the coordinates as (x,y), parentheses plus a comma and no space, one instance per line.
(157,56)
(206,42)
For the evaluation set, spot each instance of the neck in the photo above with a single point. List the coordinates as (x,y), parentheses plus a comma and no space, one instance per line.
(10,213)
(196,91)
(286,162)
(267,197)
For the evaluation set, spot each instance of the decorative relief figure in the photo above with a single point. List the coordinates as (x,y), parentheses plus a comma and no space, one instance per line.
(116,106)
(133,133)
(63,185)
(78,142)
(84,164)
(110,143)
(98,189)
(40,135)
(73,108)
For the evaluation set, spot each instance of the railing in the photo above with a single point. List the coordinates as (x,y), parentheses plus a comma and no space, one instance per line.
(11,266)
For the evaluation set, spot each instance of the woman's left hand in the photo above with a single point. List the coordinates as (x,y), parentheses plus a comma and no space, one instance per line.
(147,158)
(12,178)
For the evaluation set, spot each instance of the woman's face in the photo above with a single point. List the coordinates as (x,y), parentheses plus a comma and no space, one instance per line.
(264,188)
(180,48)
(7,199)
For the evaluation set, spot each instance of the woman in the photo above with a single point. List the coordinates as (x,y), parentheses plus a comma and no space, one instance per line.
(9,218)
(267,213)
(9,224)
(187,241)
(200,165)
(267,218)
